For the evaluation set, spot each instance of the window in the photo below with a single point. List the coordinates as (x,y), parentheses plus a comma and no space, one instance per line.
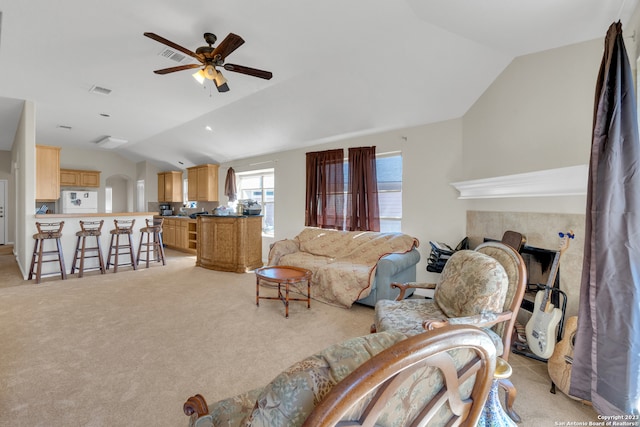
(140,196)
(108,199)
(259,186)
(389,169)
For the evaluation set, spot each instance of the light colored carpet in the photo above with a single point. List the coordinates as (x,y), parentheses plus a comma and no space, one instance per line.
(127,349)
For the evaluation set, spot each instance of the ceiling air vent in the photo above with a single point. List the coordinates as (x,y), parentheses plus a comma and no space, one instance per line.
(100,90)
(110,142)
(174,55)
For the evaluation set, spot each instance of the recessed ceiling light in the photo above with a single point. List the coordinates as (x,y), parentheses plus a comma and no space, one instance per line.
(209,128)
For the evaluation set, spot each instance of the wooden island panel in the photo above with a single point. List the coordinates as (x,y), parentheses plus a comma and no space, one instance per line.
(229,243)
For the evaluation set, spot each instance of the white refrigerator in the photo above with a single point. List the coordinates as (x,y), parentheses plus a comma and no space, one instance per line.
(79,201)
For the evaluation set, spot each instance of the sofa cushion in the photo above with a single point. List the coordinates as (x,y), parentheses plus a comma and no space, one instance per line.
(471,283)
(324,242)
(291,396)
(304,260)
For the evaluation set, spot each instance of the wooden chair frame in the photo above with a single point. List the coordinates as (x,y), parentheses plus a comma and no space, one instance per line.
(384,373)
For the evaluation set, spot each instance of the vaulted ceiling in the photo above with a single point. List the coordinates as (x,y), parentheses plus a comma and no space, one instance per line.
(340,68)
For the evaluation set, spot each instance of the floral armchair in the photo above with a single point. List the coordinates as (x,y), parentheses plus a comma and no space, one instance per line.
(482,287)
(387,379)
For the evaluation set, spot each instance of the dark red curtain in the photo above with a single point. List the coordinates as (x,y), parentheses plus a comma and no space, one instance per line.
(324,205)
(363,213)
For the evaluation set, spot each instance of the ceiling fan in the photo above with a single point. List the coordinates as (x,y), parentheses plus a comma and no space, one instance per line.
(211,57)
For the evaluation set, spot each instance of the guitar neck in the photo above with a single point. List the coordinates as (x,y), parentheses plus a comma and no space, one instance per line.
(553,272)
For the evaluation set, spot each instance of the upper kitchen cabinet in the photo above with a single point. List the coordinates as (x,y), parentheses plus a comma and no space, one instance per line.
(47,173)
(203,183)
(170,186)
(79,178)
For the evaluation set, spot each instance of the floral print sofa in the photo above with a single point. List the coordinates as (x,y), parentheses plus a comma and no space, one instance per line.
(350,266)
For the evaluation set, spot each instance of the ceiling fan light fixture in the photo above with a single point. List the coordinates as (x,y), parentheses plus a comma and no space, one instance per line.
(210,71)
(199,76)
(219,78)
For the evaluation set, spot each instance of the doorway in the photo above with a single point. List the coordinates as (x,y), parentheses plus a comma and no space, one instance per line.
(118,189)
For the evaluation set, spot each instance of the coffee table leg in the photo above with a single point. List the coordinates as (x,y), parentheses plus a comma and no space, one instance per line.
(286,301)
(258,291)
(308,293)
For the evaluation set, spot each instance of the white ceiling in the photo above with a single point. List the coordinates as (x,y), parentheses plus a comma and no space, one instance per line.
(339,68)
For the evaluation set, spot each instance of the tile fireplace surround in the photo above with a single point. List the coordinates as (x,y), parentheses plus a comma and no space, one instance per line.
(541,230)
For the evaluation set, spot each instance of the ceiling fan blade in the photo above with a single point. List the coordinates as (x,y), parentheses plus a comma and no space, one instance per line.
(173,45)
(178,68)
(228,45)
(249,71)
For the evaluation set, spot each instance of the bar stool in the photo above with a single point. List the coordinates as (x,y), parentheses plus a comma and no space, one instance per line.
(47,231)
(88,229)
(152,230)
(123,228)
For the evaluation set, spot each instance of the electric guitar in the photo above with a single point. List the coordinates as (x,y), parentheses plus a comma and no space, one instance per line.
(541,328)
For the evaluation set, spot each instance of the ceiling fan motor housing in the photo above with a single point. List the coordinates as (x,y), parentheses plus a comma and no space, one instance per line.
(210,38)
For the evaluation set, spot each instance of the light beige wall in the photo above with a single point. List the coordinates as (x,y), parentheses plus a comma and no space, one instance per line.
(536,115)
(431,160)
(23,155)
(148,172)
(111,165)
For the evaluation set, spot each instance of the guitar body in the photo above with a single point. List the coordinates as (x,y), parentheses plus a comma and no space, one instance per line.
(541,328)
(561,361)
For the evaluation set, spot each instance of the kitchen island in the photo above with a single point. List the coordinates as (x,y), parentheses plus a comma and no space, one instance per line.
(229,242)
(72,225)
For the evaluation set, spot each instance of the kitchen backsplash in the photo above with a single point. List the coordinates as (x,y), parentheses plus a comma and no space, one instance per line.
(177,206)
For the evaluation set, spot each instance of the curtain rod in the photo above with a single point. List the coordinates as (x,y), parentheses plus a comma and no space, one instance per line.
(253,164)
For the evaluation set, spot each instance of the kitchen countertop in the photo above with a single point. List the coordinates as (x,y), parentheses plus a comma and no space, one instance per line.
(94,215)
(205,215)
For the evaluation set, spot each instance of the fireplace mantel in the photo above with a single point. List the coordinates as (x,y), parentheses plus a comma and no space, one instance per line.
(567,181)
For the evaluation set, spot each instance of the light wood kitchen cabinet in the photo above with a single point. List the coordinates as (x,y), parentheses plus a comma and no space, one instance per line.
(203,183)
(169,232)
(47,173)
(79,178)
(178,232)
(170,186)
(229,243)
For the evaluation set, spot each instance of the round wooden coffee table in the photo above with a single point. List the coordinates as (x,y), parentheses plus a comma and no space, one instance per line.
(284,274)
